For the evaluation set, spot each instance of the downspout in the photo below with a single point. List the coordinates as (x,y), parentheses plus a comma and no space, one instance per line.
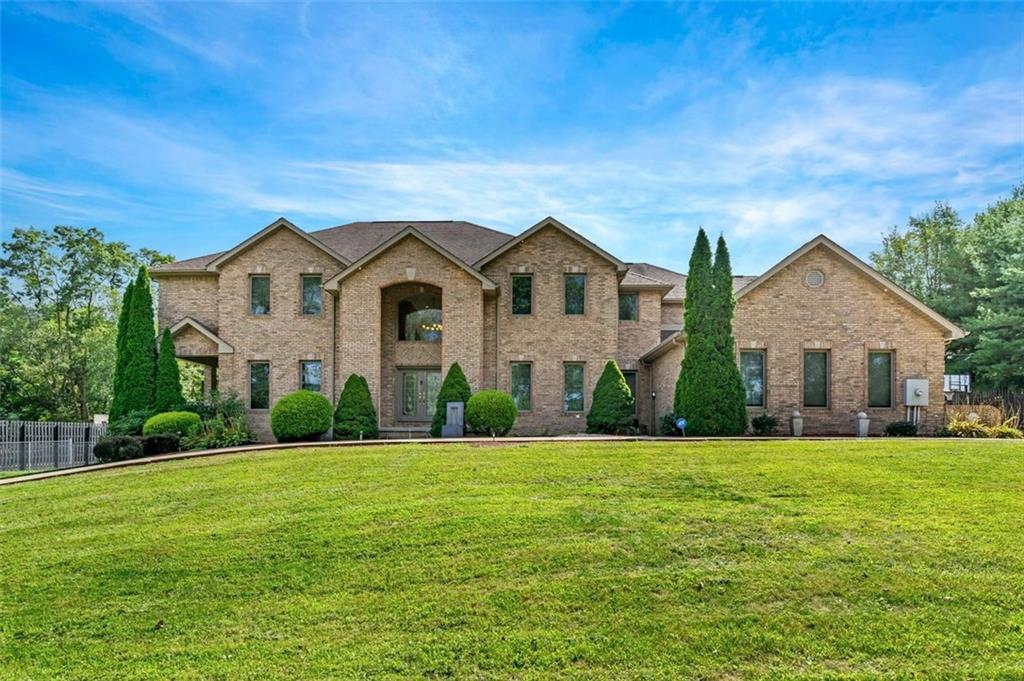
(497,336)
(334,344)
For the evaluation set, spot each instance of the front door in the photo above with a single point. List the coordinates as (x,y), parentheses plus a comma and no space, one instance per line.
(417,393)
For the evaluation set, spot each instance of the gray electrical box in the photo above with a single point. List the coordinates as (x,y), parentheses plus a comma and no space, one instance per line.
(454,415)
(915,392)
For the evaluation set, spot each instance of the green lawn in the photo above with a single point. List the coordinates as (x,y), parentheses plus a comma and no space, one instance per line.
(639,560)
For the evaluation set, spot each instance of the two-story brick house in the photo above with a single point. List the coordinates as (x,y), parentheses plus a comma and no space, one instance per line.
(536,315)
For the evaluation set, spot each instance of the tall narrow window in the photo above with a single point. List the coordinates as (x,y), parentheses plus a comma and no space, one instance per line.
(522,294)
(259,385)
(816,369)
(629,307)
(630,377)
(521,385)
(572,391)
(575,293)
(312,294)
(752,372)
(880,379)
(259,294)
(311,375)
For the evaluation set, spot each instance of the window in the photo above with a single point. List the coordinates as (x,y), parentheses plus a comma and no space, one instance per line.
(575,293)
(521,385)
(816,378)
(259,294)
(310,375)
(522,294)
(419,318)
(259,385)
(752,372)
(572,391)
(630,377)
(879,379)
(629,307)
(312,294)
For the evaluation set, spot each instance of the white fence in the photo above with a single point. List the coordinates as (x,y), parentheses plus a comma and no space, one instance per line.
(36,445)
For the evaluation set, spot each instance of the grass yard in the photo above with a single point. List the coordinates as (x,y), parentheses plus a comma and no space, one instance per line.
(625,560)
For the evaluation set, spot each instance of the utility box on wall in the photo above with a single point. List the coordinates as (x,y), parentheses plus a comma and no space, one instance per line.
(915,392)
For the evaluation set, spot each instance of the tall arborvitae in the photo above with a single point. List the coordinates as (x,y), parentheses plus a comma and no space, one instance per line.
(168,395)
(117,409)
(729,394)
(139,376)
(455,388)
(696,377)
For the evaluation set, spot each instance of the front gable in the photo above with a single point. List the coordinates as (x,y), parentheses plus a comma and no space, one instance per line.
(274,227)
(544,226)
(193,339)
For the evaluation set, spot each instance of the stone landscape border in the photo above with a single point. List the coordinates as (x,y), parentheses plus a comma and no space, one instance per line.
(178,456)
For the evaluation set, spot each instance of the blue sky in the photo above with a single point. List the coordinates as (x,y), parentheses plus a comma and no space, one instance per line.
(186,127)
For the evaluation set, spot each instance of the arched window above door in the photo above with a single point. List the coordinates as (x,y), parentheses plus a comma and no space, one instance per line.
(419,317)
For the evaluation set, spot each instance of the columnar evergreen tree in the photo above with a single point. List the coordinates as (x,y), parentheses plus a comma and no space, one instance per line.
(455,388)
(117,409)
(611,407)
(730,395)
(709,392)
(168,380)
(355,416)
(139,376)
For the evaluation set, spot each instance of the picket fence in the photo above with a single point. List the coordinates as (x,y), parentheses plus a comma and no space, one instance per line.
(40,445)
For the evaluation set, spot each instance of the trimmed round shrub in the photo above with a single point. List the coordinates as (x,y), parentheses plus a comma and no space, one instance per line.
(118,448)
(901,429)
(161,443)
(355,417)
(492,412)
(301,416)
(180,423)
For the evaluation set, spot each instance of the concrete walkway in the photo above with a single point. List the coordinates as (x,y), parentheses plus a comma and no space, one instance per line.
(177,456)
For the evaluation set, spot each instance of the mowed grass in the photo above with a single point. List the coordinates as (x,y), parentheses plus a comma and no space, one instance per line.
(625,560)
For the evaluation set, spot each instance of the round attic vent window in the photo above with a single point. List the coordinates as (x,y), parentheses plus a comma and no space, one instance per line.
(814,279)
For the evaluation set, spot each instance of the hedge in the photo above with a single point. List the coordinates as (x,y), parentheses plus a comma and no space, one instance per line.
(180,423)
(300,416)
(492,412)
(118,448)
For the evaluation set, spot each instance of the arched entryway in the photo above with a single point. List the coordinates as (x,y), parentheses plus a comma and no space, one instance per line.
(412,339)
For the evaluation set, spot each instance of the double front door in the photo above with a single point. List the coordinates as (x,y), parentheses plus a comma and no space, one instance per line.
(417,393)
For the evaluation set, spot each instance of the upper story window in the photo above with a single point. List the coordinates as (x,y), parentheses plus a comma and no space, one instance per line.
(629,307)
(259,294)
(816,378)
(312,294)
(575,293)
(880,379)
(752,373)
(522,294)
(311,375)
(419,318)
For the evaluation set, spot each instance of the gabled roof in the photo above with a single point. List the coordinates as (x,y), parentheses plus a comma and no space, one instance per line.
(636,281)
(409,231)
(465,240)
(222,346)
(551,222)
(277,224)
(677,280)
(952,330)
(349,242)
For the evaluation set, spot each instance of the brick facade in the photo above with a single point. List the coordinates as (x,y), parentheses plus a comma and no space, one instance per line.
(849,315)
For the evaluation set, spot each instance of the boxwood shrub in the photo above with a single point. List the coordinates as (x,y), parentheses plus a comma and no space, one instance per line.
(301,416)
(901,429)
(161,443)
(180,423)
(491,412)
(118,448)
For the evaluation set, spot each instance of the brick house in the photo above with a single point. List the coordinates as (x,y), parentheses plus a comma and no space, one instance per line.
(537,315)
